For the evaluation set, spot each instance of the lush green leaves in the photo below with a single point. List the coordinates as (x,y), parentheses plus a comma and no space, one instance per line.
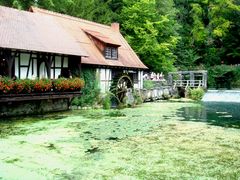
(189,34)
(211,30)
(151,33)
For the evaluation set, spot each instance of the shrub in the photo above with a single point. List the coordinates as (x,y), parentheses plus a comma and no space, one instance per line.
(116,113)
(148,84)
(224,76)
(91,90)
(196,94)
(137,97)
(106,102)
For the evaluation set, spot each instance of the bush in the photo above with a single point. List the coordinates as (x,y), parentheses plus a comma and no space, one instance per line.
(196,94)
(91,91)
(148,84)
(116,113)
(137,97)
(106,102)
(224,76)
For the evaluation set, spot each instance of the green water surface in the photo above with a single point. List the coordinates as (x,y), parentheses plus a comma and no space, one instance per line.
(162,140)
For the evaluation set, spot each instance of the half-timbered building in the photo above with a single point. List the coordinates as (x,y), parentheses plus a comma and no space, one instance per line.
(45,44)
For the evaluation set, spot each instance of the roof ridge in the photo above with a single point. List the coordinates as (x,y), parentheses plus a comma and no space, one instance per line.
(14,9)
(32,8)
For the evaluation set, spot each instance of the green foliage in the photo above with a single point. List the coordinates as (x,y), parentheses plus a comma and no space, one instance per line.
(209,34)
(151,31)
(224,76)
(137,97)
(196,94)
(116,113)
(148,84)
(91,90)
(106,102)
(188,34)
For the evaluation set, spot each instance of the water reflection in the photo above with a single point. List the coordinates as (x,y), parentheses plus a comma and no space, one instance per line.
(214,113)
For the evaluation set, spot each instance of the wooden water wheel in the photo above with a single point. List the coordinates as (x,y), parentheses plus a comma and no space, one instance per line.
(120,85)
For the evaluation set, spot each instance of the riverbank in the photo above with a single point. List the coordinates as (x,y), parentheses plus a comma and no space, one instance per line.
(152,141)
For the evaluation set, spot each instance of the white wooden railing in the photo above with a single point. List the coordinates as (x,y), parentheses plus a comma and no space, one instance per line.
(188,83)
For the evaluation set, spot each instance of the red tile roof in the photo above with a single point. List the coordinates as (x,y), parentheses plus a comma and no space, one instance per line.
(77,27)
(23,30)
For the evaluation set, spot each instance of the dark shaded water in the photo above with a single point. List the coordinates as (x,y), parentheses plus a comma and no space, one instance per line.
(214,113)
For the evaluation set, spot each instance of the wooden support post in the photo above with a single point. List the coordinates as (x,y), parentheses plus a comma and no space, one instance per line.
(80,67)
(48,64)
(170,79)
(192,79)
(204,80)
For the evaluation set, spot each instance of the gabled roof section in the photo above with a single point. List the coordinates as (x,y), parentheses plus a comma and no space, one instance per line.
(23,30)
(80,30)
(101,37)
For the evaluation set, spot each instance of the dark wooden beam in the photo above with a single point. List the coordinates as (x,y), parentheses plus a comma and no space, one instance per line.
(29,64)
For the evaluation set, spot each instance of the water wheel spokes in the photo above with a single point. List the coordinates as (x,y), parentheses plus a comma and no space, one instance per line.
(120,86)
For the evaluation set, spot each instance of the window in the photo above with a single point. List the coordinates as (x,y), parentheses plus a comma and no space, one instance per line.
(111,53)
(59,67)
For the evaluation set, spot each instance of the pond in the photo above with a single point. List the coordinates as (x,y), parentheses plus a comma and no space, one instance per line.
(215,113)
(164,140)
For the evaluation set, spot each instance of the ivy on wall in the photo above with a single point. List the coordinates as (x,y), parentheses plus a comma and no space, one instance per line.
(91,90)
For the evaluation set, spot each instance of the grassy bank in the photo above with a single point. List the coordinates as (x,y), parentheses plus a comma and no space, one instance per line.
(147,142)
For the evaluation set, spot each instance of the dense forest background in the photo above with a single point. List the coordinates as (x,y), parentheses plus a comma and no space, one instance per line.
(166,34)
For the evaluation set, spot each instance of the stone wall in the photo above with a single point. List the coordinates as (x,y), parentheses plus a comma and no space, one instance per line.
(33,107)
(164,92)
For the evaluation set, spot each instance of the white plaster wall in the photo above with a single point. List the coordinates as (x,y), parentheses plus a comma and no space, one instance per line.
(140,79)
(34,75)
(16,67)
(52,73)
(139,85)
(23,73)
(105,79)
(42,70)
(108,78)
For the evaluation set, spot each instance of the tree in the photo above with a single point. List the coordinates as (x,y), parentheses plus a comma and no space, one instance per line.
(208,28)
(151,33)
(189,34)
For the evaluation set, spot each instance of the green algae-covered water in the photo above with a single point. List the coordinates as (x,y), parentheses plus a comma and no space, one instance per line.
(162,140)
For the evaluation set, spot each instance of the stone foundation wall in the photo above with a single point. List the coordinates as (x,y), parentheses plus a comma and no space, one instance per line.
(157,93)
(33,107)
